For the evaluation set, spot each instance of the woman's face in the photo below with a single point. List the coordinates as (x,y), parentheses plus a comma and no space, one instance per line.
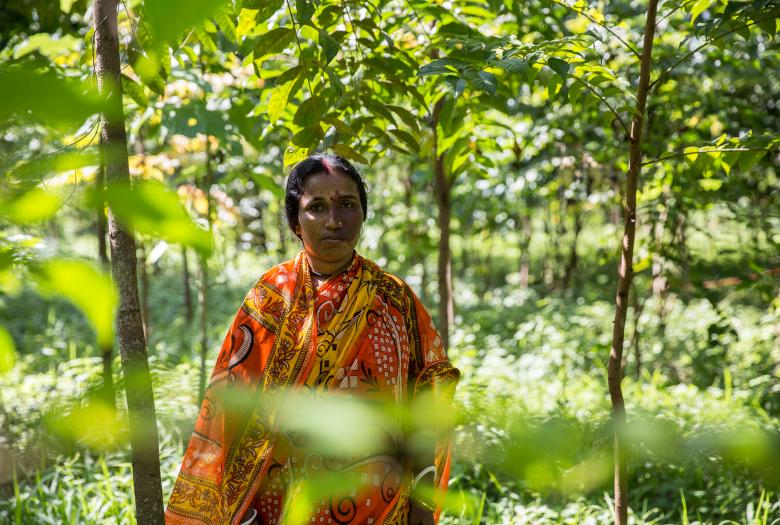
(329,219)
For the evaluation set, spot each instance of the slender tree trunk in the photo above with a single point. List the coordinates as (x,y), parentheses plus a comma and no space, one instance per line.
(107,350)
(625,270)
(187,286)
(144,288)
(443,195)
(144,441)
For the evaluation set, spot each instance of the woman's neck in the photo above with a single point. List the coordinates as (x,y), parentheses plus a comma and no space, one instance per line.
(325,269)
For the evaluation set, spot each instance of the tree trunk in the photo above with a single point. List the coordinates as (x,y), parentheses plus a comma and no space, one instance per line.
(144,441)
(443,194)
(144,288)
(107,350)
(188,310)
(625,270)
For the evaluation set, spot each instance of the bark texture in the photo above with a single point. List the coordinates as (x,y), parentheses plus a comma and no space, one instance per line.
(130,333)
(443,192)
(625,270)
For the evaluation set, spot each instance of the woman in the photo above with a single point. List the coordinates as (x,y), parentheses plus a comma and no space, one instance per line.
(328,321)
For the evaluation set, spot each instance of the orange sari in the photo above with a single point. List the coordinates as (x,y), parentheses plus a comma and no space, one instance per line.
(362,333)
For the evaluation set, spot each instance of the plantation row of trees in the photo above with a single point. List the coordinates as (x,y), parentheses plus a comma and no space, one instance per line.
(483,127)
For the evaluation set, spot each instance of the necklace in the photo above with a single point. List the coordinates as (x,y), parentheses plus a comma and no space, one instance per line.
(329,275)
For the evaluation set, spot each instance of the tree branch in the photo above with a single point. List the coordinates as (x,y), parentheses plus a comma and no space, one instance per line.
(698,151)
(605,26)
(606,103)
(668,70)
(300,49)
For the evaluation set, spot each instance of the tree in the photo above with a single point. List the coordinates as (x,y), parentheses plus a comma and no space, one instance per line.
(130,331)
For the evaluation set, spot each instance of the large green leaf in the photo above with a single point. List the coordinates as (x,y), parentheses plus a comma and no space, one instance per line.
(33,171)
(168,19)
(310,111)
(153,209)
(31,206)
(273,42)
(7,351)
(46,97)
(280,96)
(86,286)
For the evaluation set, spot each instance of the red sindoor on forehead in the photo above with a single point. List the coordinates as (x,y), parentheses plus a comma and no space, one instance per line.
(326,163)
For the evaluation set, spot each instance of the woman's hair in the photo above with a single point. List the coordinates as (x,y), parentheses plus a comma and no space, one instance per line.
(313,165)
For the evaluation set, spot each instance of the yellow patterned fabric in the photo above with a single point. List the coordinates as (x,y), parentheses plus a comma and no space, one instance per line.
(362,333)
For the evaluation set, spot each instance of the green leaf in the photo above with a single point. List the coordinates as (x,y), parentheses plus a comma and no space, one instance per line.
(247,21)
(304,10)
(86,286)
(273,41)
(48,45)
(37,169)
(329,45)
(135,91)
(32,206)
(310,112)
(442,66)
(293,155)
(167,19)
(710,184)
(481,80)
(309,137)
(7,351)
(340,125)
(225,22)
(698,8)
(561,67)
(460,87)
(46,97)
(406,116)
(748,159)
(691,153)
(153,209)
(280,96)
(407,139)
(349,153)
(147,70)
(266,7)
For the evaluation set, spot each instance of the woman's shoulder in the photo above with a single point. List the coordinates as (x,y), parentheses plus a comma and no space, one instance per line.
(390,285)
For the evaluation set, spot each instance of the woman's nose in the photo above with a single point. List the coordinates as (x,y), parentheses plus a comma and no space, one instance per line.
(333,221)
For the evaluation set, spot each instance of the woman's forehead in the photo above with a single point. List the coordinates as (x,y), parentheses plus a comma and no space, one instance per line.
(331,184)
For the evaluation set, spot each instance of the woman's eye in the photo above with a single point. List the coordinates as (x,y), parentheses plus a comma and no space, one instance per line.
(316,207)
(348,204)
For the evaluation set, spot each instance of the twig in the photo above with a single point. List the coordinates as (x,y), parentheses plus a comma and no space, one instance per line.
(606,102)
(699,48)
(300,49)
(586,15)
(698,151)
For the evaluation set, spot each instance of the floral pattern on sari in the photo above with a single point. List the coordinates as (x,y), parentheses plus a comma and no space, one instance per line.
(363,333)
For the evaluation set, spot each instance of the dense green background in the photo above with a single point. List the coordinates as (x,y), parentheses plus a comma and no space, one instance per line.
(222,97)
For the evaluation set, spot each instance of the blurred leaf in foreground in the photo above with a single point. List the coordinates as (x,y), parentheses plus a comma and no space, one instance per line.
(46,97)
(167,19)
(7,351)
(94,425)
(153,209)
(88,288)
(34,205)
